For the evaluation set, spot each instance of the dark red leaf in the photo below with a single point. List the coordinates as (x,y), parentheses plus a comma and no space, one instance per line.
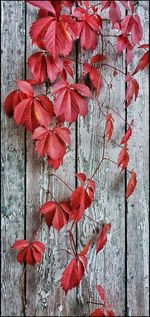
(56,214)
(131,184)
(103,237)
(109,126)
(70,100)
(51,142)
(29,252)
(126,136)
(123,158)
(82,196)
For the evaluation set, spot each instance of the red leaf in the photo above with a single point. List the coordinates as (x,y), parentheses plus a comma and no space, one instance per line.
(109,126)
(20,244)
(56,215)
(132,24)
(144,61)
(25,87)
(97,58)
(85,249)
(131,184)
(97,312)
(12,101)
(88,25)
(122,43)
(51,141)
(29,252)
(82,197)
(143,46)
(45,5)
(58,35)
(103,237)
(123,158)
(72,275)
(126,136)
(33,111)
(114,10)
(54,163)
(95,76)
(37,65)
(132,88)
(101,293)
(70,101)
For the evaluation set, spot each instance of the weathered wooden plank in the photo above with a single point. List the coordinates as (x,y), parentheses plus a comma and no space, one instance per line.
(13,46)
(44,295)
(108,267)
(138,218)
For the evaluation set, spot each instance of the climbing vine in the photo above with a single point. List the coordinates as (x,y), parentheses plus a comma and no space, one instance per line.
(59,26)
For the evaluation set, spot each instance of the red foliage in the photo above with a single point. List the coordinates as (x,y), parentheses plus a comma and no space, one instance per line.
(123,158)
(109,126)
(70,100)
(103,237)
(82,196)
(131,184)
(74,272)
(54,34)
(56,214)
(29,252)
(51,141)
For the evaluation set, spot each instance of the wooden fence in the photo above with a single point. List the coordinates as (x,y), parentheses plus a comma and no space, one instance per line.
(122,267)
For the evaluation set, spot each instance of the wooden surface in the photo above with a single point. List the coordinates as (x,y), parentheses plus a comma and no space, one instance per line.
(122,267)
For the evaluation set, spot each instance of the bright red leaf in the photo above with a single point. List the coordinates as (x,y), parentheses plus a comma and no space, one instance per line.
(70,100)
(56,214)
(103,237)
(97,58)
(101,293)
(109,126)
(88,27)
(29,252)
(82,196)
(51,142)
(55,163)
(12,100)
(123,158)
(114,9)
(131,184)
(122,43)
(94,75)
(57,31)
(105,309)
(32,111)
(126,136)
(144,61)
(74,272)
(132,89)
(132,24)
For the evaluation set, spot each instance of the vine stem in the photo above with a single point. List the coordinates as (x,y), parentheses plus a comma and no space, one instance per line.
(62,181)
(92,220)
(120,71)
(101,161)
(110,160)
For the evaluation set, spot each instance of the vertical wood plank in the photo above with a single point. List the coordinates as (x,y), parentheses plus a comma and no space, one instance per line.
(44,295)
(138,216)
(107,268)
(13,46)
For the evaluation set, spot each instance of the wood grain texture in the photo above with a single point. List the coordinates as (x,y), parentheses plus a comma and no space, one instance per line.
(13,46)
(25,180)
(108,267)
(44,281)
(138,209)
